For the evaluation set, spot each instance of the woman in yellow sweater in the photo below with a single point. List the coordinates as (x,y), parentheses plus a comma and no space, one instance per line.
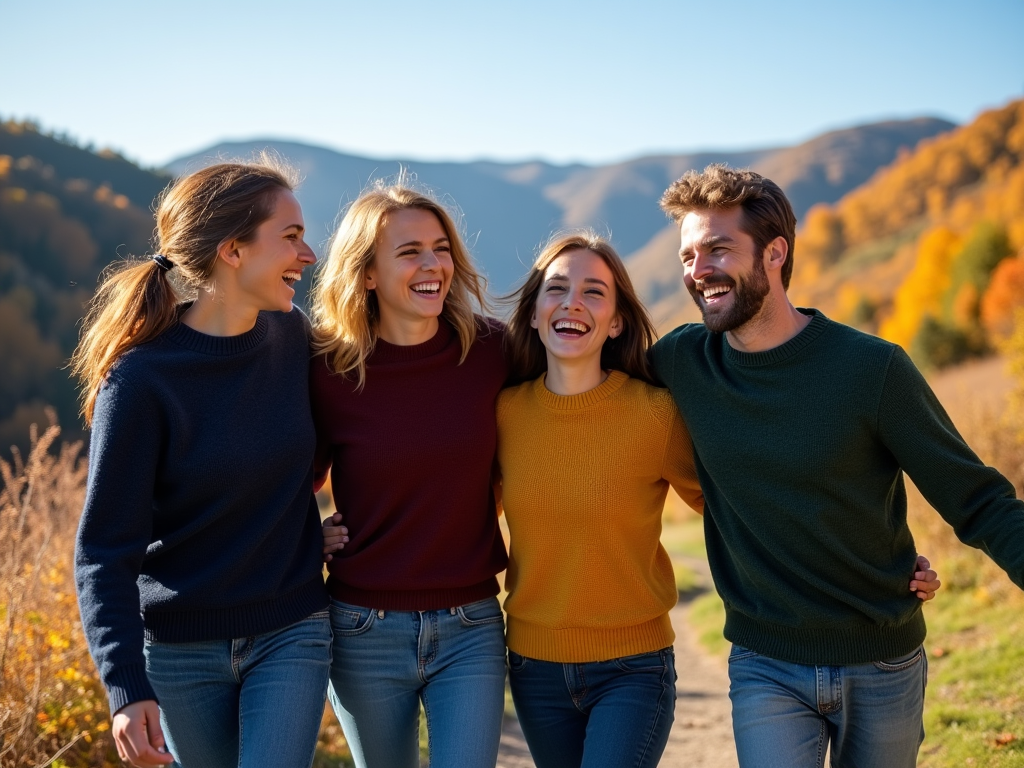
(588,448)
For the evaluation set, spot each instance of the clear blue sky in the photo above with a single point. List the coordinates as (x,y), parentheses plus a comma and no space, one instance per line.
(581,80)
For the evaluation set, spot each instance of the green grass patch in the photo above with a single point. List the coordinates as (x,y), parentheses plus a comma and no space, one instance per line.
(684,538)
(687,580)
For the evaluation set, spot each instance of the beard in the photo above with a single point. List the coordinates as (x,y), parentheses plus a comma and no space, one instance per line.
(748,295)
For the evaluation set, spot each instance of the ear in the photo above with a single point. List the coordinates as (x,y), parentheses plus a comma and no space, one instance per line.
(776,253)
(616,326)
(228,253)
(534,322)
(371,282)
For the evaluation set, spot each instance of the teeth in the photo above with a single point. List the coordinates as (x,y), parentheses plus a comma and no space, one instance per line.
(573,325)
(293,275)
(714,290)
(427,287)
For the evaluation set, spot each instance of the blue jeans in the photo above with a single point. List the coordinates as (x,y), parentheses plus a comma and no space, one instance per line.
(615,713)
(787,714)
(247,702)
(387,662)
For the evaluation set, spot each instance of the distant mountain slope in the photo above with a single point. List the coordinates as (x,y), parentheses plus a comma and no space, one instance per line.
(510,208)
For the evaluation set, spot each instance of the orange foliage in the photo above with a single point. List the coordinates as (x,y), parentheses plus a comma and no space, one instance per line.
(974,172)
(921,293)
(1005,294)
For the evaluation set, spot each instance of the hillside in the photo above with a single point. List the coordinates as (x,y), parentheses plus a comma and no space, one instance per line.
(65,213)
(930,252)
(510,208)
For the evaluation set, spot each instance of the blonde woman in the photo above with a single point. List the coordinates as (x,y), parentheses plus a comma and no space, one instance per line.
(198,553)
(403,392)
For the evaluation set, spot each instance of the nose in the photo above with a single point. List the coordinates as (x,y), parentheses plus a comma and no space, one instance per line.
(306,255)
(572,300)
(429,261)
(700,267)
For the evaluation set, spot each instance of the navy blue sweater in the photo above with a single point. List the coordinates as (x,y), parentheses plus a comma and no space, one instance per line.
(199,520)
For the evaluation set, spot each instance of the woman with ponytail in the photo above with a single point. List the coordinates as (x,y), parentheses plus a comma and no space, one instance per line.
(198,553)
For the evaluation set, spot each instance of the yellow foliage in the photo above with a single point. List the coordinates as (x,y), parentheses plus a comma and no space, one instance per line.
(921,293)
(50,695)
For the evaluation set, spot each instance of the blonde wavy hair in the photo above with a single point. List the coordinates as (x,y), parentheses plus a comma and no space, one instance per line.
(346,315)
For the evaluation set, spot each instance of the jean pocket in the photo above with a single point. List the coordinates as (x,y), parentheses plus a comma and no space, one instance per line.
(902,662)
(348,620)
(515,661)
(642,662)
(738,653)
(480,613)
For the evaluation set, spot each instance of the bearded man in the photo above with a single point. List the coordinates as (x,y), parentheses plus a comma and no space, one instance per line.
(803,429)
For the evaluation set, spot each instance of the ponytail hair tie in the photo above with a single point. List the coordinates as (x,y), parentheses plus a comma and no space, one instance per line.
(163,262)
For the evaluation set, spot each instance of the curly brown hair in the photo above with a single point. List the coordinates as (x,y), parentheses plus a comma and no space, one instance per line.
(767,213)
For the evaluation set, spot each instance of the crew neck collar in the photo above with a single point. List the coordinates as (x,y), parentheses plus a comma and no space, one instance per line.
(386,352)
(601,392)
(187,337)
(819,323)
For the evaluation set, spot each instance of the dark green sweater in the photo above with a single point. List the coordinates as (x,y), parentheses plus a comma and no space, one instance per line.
(800,452)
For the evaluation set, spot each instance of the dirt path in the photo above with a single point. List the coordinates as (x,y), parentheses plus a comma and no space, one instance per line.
(702,733)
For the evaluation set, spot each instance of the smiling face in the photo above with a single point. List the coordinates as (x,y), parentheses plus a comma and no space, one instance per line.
(722,272)
(575,312)
(272,262)
(411,271)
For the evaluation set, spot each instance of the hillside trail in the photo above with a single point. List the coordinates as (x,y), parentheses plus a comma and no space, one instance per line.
(702,732)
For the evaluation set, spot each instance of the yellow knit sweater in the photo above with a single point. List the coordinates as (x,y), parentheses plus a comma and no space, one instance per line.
(584,480)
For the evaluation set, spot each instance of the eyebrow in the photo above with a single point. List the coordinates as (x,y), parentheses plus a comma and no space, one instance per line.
(299,227)
(709,241)
(585,280)
(420,243)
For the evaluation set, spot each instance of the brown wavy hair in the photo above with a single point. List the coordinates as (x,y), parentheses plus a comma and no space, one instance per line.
(345,314)
(767,213)
(138,299)
(627,352)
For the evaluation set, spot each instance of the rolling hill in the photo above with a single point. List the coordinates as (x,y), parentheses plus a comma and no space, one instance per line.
(510,208)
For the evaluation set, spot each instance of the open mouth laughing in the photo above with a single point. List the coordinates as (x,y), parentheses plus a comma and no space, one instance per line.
(570,328)
(712,292)
(429,289)
(291,277)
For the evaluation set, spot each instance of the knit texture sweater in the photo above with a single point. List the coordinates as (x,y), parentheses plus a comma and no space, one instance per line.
(584,480)
(410,457)
(199,520)
(801,451)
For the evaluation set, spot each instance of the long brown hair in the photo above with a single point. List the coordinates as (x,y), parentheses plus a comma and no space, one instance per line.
(345,314)
(137,300)
(627,352)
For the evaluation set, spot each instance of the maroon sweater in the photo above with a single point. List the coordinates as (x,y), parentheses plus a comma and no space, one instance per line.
(410,458)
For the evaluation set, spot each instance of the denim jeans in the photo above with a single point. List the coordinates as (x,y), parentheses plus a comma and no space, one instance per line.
(248,702)
(615,713)
(870,715)
(387,662)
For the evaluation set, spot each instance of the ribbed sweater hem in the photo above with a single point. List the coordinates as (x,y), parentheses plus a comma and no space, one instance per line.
(835,644)
(236,621)
(578,645)
(128,684)
(413,600)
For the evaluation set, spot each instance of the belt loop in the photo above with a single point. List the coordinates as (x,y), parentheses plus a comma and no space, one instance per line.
(380,614)
(452,611)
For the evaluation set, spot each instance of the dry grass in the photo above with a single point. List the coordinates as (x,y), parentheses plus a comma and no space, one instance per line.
(52,708)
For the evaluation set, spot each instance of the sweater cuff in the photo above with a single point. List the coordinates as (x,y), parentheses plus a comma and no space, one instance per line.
(127,685)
